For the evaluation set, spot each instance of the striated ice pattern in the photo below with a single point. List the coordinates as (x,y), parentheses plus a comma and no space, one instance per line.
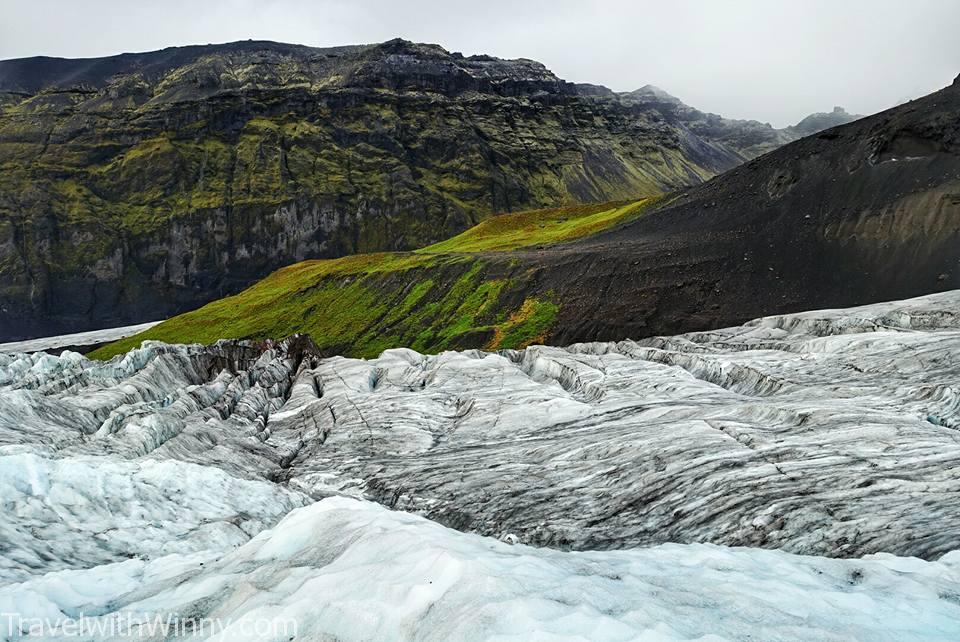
(242,480)
(344,569)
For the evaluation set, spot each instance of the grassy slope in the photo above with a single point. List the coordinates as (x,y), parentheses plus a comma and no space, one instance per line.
(538,227)
(430,300)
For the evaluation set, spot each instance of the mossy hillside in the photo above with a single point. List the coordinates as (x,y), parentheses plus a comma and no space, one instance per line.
(129,193)
(393,159)
(541,227)
(364,304)
(430,301)
(178,182)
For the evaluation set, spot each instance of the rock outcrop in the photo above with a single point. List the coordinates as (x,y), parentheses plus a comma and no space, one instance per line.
(815,123)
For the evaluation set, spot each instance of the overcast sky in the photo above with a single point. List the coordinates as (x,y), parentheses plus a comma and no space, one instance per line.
(771,60)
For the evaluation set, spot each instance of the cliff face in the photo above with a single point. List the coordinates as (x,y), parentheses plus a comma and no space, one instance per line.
(137,186)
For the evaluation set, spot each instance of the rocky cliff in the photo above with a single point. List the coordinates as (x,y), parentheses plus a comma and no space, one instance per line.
(137,186)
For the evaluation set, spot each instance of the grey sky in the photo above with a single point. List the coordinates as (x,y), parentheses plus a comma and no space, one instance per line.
(770,60)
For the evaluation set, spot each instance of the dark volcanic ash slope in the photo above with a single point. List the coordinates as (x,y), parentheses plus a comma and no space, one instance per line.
(136,186)
(864,212)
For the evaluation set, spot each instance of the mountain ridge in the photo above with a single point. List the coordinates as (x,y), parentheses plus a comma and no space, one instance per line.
(139,186)
(863,212)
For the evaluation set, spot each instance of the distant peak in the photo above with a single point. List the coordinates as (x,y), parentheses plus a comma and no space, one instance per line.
(824,120)
(402,46)
(652,92)
(398,44)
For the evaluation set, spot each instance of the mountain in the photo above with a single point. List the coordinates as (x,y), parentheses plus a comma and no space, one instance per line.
(749,138)
(824,120)
(863,212)
(137,186)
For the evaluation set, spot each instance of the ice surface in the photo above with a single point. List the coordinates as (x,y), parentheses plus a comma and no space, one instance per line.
(91,338)
(148,485)
(344,569)
(79,512)
(827,433)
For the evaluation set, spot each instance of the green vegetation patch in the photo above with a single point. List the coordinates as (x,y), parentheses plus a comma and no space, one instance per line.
(430,300)
(364,304)
(526,326)
(334,301)
(541,227)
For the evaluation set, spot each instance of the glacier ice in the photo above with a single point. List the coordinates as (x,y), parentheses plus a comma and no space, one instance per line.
(641,479)
(79,512)
(78,339)
(345,569)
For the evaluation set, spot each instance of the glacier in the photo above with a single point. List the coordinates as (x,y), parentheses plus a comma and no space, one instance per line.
(84,340)
(796,477)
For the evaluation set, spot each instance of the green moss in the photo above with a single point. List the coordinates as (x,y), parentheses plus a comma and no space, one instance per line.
(462,310)
(416,293)
(431,300)
(526,326)
(360,306)
(540,227)
(147,150)
(333,301)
